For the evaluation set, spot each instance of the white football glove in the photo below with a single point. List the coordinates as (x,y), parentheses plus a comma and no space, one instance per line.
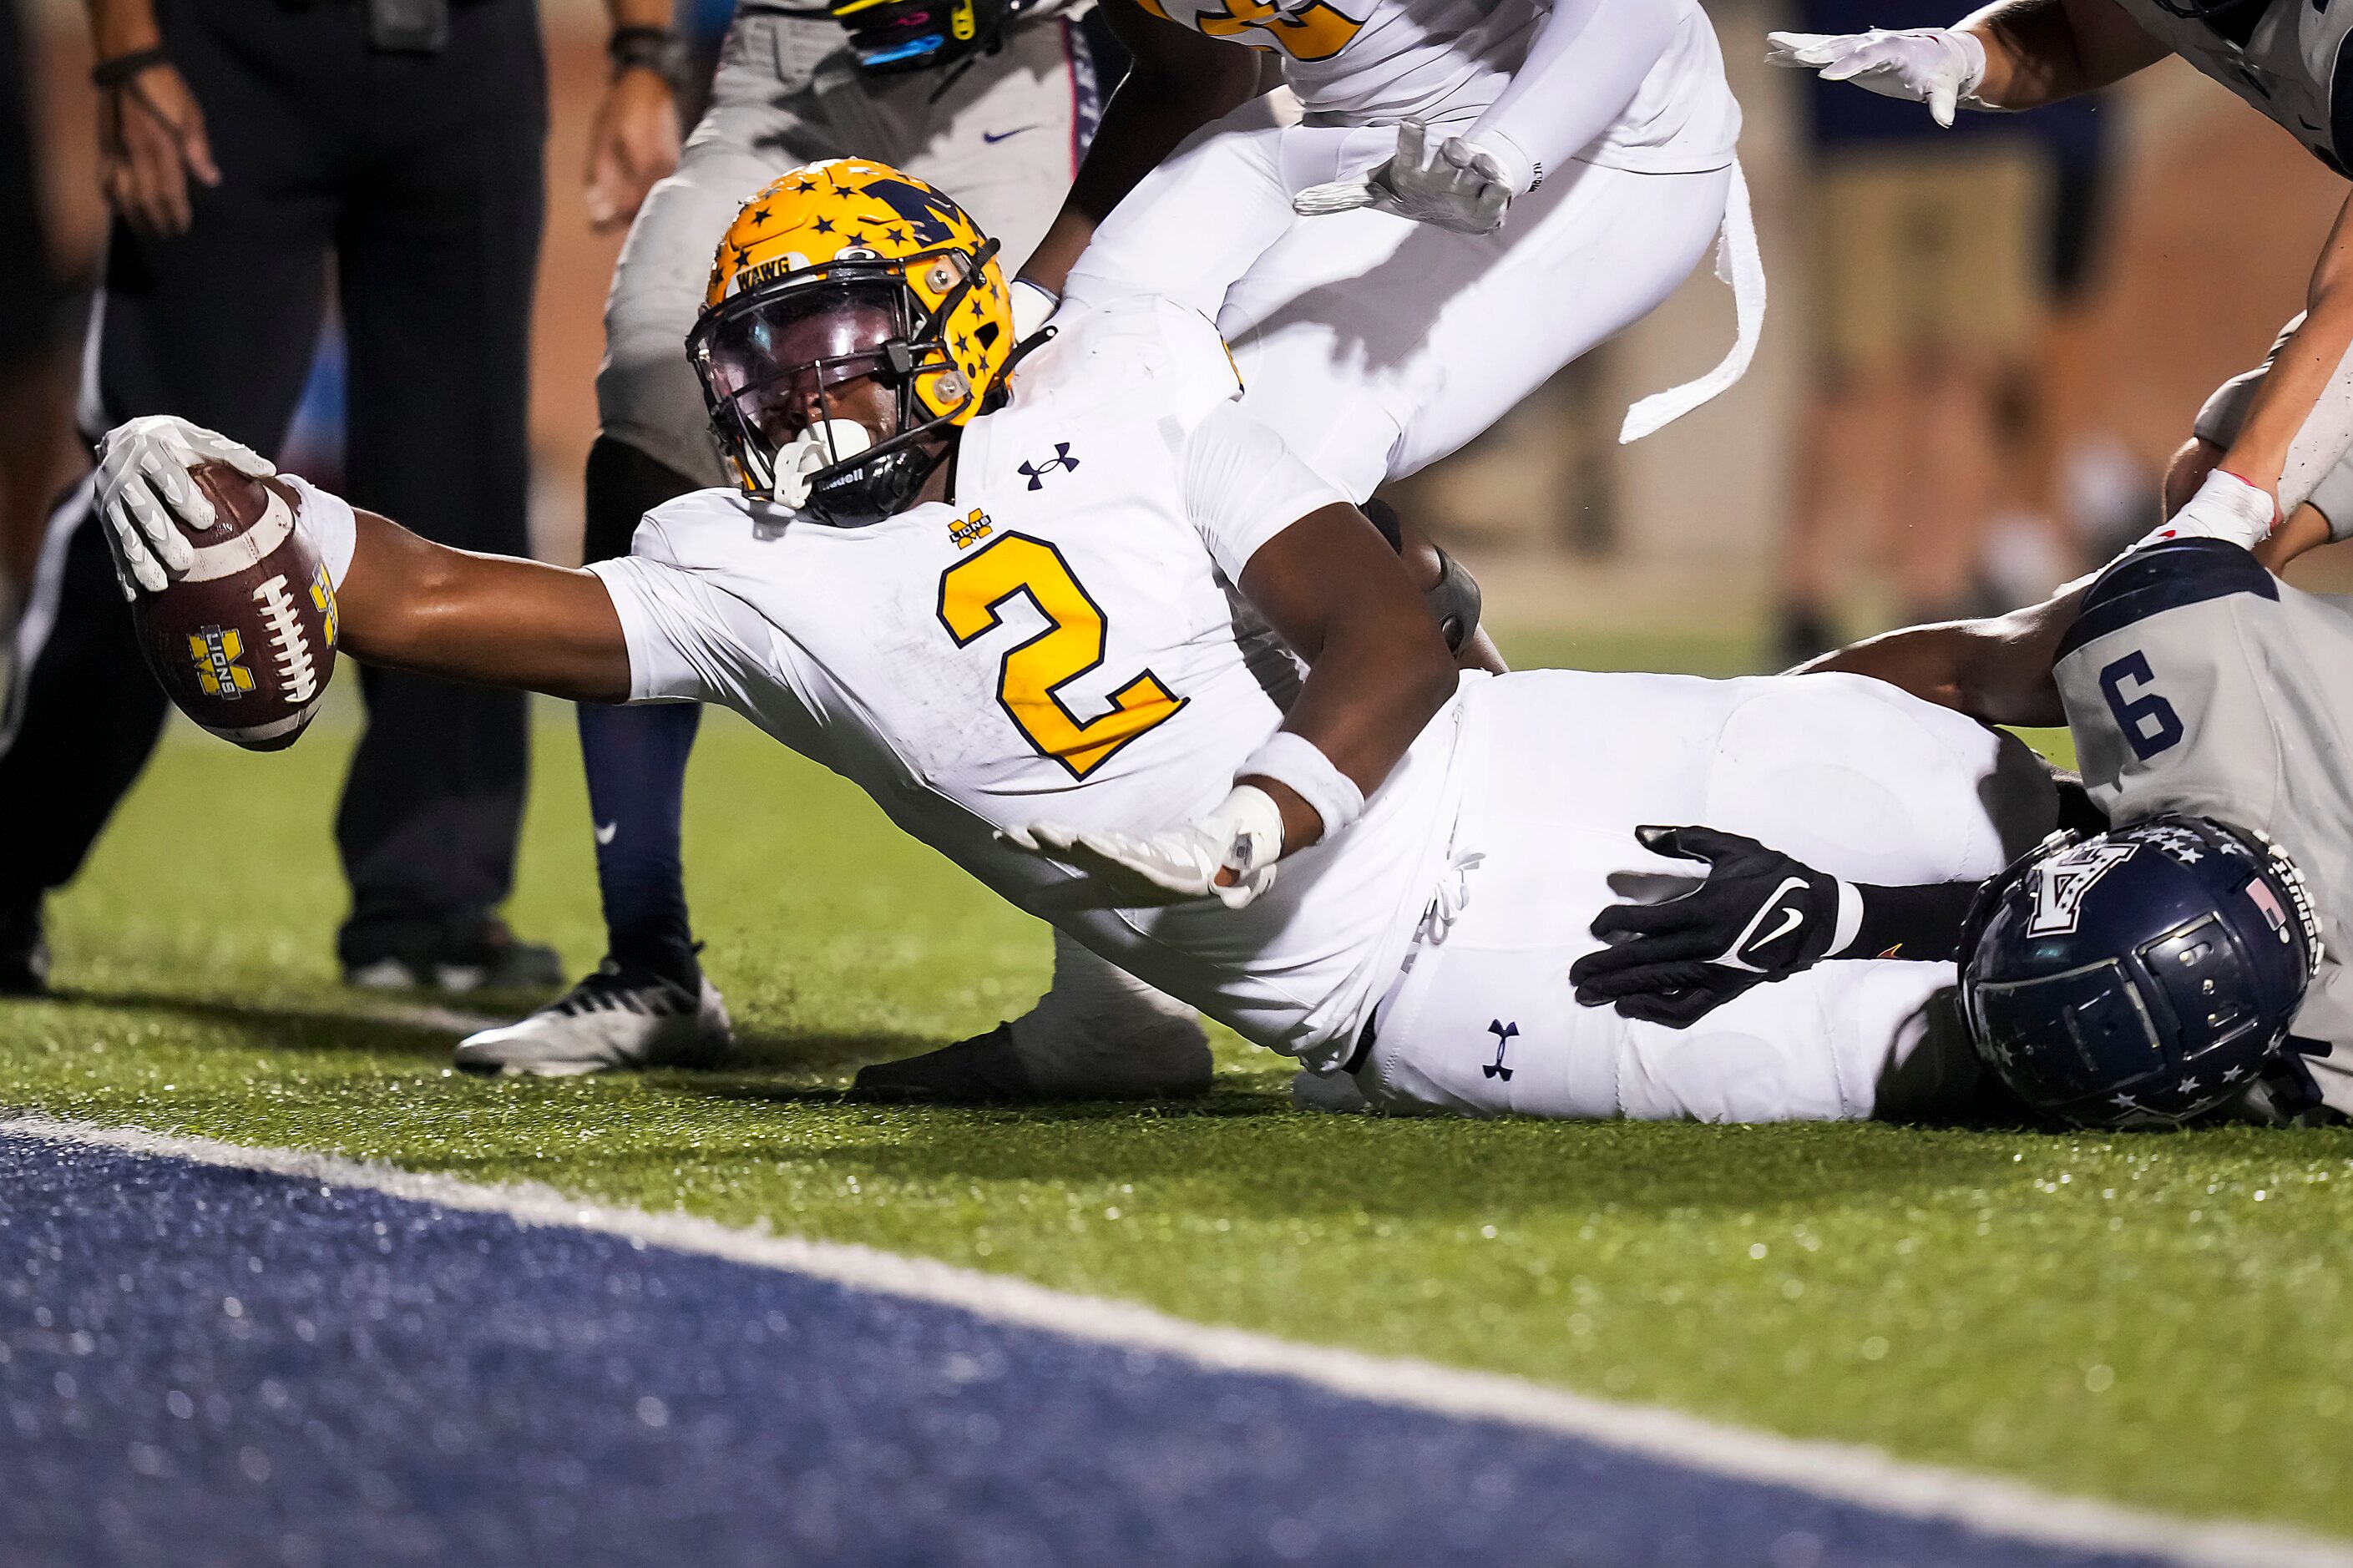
(144,494)
(1243,835)
(1935,66)
(1033,306)
(1463,186)
(2225,507)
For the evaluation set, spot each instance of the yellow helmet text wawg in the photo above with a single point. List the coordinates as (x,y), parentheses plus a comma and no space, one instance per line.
(837,272)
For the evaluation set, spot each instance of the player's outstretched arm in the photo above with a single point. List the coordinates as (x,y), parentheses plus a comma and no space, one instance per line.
(1178,82)
(399,600)
(2014,54)
(410,604)
(1759,916)
(1996,670)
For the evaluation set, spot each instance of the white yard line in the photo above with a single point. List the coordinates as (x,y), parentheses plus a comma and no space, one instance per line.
(1850,1473)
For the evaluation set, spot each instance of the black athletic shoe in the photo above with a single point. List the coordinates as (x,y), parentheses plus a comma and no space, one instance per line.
(23,957)
(978,1072)
(475,954)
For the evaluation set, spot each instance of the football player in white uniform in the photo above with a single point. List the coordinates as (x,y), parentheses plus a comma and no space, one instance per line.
(2208,706)
(993,98)
(1088,627)
(2263,467)
(1479,192)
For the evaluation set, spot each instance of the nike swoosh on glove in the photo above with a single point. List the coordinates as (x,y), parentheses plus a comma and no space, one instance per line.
(1758,916)
(1935,66)
(1242,838)
(148,502)
(1461,186)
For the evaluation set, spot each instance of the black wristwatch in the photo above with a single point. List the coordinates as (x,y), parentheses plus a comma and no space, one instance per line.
(657,49)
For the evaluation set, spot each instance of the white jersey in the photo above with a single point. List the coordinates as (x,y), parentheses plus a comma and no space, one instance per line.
(2287,65)
(1375,62)
(1061,642)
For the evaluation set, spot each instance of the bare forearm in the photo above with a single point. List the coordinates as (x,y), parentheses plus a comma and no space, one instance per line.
(2039,51)
(2306,365)
(1996,671)
(119,27)
(409,604)
(1379,668)
(639,14)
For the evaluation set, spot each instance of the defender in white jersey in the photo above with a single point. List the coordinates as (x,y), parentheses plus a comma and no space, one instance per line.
(2269,464)
(1478,192)
(1089,628)
(2210,712)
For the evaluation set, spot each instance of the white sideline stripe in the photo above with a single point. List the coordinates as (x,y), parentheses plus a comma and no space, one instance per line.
(1844,1472)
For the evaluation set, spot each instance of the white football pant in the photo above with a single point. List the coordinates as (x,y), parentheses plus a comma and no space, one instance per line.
(1376,345)
(1843,772)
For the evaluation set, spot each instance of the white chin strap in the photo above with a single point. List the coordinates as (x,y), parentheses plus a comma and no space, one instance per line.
(822,445)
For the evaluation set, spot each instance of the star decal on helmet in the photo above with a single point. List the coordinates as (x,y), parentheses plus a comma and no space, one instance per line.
(760,216)
(823,225)
(804,185)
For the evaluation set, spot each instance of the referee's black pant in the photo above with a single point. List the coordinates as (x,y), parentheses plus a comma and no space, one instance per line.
(420,177)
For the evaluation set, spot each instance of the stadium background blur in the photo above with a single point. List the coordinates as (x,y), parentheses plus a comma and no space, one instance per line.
(2202,248)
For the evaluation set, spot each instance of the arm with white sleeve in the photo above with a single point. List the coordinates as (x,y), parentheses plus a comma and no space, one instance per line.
(1378,670)
(401,601)
(1587,60)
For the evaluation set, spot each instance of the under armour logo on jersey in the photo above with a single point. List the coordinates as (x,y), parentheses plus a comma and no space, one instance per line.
(1503,1033)
(1035,472)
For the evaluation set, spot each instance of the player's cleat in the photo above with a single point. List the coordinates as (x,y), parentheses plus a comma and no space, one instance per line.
(477,955)
(990,1068)
(23,957)
(612,1019)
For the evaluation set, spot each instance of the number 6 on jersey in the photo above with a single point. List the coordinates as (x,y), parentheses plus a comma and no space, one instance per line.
(972,591)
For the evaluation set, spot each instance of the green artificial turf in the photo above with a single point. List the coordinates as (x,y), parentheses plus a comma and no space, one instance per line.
(2163,1320)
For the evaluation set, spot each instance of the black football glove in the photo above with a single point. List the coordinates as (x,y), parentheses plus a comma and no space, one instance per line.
(1759,916)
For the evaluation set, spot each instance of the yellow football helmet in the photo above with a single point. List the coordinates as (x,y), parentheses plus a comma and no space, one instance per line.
(837,271)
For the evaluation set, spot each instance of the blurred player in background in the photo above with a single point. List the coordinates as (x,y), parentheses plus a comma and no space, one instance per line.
(1942,261)
(241,146)
(33,395)
(1180,698)
(991,98)
(2264,441)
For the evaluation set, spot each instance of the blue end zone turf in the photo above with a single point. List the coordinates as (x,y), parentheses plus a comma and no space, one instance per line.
(204,1365)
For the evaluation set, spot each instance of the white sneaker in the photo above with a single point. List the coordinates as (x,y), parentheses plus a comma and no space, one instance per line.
(611,1019)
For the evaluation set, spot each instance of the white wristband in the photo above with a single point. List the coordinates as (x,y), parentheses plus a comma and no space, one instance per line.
(1973,53)
(1849,924)
(328,521)
(2226,507)
(1294,759)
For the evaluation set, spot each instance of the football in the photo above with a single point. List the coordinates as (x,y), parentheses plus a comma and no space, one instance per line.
(246,642)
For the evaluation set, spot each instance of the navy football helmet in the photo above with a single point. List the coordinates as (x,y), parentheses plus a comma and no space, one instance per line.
(2142,976)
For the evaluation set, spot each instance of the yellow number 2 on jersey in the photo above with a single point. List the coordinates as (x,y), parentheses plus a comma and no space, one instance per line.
(970,593)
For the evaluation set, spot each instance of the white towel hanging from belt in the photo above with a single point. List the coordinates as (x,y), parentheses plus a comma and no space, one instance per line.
(1739,263)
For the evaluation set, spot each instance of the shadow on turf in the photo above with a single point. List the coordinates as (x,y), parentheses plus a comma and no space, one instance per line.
(278,1027)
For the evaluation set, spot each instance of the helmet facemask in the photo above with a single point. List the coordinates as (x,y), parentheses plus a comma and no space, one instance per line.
(785,370)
